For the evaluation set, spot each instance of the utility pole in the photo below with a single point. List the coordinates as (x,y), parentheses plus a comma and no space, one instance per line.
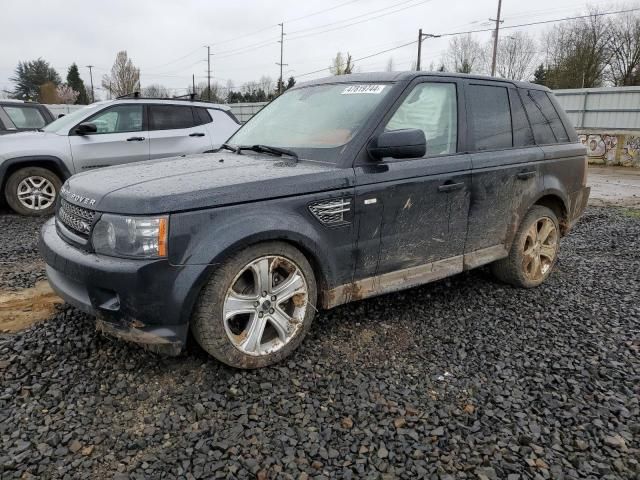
(495,39)
(193,82)
(208,72)
(282,34)
(422,36)
(93,97)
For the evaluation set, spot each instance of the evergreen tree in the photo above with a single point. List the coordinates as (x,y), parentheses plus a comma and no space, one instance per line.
(30,76)
(540,75)
(290,83)
(76,83)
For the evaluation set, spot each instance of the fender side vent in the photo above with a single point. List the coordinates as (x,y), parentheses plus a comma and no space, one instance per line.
(334,212)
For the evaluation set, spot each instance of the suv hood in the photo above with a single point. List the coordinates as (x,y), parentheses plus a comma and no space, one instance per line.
(199,181)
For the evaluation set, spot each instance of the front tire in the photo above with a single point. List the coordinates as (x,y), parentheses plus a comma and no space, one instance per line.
(257,307)
(534,251)
(33,191)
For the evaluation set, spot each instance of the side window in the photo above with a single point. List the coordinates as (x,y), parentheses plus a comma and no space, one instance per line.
(170,117)
(547,127)
(522,134)
(432,108)
(118,119)
(25,117)
(490,117)
(201,116)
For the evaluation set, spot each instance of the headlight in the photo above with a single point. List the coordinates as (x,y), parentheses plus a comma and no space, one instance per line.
(131,237)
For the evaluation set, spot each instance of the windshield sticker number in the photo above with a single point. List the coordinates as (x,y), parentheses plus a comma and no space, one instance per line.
(355,89)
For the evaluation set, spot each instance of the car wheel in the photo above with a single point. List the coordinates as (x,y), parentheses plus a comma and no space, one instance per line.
(32,191)
(534,251)
(257,307)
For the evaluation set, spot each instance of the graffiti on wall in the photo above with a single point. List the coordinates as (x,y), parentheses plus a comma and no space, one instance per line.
(623,150)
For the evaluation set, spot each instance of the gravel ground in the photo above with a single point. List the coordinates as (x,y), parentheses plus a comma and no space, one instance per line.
(464,378)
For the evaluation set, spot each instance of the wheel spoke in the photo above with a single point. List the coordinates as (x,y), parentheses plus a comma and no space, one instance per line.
(293,285)
(236,304)
(255,330)
(548,251)
(24,193)
(545,230)
(535,266)
(262,275)
(281,322)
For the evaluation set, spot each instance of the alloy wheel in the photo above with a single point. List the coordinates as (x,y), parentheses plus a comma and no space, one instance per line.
(265,305)
(36,193)
(540,248)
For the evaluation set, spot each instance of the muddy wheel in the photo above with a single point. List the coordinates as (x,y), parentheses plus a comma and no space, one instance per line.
(32,191)
(257,307)
(534,251)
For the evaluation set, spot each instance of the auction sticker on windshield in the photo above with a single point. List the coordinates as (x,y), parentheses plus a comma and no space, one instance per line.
(354,89)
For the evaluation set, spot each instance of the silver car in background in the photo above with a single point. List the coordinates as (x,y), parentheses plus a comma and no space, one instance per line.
(33,165)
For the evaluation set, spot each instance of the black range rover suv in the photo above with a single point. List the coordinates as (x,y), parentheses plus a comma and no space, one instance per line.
(340,189)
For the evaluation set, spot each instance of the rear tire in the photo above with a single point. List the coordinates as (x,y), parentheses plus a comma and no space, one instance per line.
(534,251)
(257,307)
(33,191)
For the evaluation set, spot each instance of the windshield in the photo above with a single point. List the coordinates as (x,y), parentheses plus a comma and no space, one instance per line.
(64,123)
(312,118)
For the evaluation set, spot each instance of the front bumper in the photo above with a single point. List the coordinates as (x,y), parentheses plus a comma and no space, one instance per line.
(144,301)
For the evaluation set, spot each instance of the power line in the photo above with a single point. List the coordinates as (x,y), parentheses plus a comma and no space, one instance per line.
(450,34)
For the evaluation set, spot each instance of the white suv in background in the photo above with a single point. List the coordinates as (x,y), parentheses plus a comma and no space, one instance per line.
(33,165)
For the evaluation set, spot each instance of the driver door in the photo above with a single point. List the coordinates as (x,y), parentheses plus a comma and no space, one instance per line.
(121,138)
(413,212)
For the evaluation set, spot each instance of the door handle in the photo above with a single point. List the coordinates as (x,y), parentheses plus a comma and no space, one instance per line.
(197,134)
(526,175)
(135,139)
(449,186)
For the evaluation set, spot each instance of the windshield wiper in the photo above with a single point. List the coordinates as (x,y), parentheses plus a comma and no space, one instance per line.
(226,146)
(269,149)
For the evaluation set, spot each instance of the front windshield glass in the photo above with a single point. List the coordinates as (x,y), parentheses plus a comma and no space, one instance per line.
(69,120)
(316,117)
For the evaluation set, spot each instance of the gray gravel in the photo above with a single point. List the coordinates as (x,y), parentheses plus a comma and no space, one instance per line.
(464,378)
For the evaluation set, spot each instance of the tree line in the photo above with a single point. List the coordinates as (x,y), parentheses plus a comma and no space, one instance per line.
(593,51)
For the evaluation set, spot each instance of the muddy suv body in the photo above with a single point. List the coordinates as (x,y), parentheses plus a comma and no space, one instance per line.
(341,189)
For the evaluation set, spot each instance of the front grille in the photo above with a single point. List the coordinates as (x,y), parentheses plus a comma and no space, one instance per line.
(78,219)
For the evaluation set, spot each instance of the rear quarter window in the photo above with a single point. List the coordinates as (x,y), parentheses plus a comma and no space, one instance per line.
(490,117)
(545,121)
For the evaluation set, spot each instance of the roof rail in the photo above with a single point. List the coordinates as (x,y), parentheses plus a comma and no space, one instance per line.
(175,99)
(129,95)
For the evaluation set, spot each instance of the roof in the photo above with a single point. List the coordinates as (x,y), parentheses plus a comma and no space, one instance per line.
(408,76)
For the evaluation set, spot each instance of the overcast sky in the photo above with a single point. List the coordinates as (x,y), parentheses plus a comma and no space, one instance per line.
(166,38)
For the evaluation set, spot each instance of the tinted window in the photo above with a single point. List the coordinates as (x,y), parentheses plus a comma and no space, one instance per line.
(25,117)
(202,116)
(547,127)
(432,108)
(121,118)
(169,117)
(522,134)
(490,117)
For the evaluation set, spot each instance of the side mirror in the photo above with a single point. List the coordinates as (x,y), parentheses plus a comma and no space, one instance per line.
(86,128)
(405,143)
(60,115)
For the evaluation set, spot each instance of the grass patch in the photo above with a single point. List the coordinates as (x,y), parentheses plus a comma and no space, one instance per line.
(631,212)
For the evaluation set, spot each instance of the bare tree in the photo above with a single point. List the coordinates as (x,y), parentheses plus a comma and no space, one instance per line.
(577,53)
(124,77)
(624,45)
(341,65)
(156,90)
(464,55)
(266,84)
(516,56)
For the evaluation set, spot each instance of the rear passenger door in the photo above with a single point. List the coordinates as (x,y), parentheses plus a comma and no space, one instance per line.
(176,130)
(506,175)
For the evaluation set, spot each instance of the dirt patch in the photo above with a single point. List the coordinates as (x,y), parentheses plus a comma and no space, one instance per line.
(21,309)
